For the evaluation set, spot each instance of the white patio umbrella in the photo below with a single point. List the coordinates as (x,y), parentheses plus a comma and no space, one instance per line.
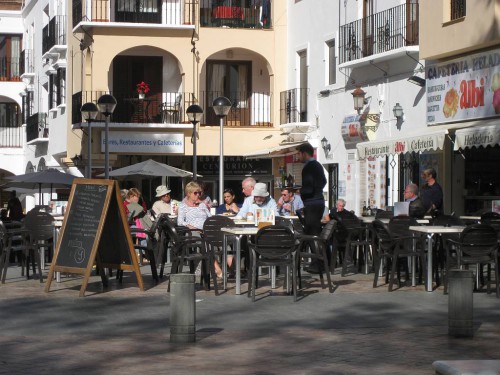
(149,168)
(48,178)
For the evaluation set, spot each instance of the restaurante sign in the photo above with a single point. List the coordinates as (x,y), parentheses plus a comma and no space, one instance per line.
(418,143)
(144,142)
(463,89)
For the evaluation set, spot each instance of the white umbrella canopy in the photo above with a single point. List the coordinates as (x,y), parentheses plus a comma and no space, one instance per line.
(149,168)
(49,178)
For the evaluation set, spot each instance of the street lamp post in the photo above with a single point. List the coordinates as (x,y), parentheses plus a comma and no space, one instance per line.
(221,105)
(194,113)
(106,104)
(89,112)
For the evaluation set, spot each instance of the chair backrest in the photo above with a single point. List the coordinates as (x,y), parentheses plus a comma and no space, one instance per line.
(385,240)
(328,229)
(400,225)
(212,233)
(478,241)
(489,216)
(40,225)
(447,220)
(274,242)
(383,214)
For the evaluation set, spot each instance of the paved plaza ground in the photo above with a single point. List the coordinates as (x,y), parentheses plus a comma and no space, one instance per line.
(355,330)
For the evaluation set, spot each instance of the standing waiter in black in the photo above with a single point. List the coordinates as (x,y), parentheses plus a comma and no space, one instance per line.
(311,192)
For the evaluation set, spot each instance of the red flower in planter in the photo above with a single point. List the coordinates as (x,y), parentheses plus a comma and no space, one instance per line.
(142,87)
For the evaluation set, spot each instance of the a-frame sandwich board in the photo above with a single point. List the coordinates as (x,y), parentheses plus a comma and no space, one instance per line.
(94,229)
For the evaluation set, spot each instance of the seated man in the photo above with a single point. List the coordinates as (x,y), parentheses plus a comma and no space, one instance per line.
(289,203)
(417,209)
(261,199)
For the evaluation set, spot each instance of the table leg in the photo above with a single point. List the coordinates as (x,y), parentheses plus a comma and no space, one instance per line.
(224,262)
(237,249)
(413,261)
(429,262)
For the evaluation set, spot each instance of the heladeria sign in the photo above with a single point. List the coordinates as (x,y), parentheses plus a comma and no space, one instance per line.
(144,142)
(464,89)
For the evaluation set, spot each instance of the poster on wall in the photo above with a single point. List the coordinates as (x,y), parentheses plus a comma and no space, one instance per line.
(463,89)
(375,178)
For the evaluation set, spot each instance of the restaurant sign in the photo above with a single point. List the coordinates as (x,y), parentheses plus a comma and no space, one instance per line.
(144,142)
(477,136)
(234,166)
(417,143)
(464,89)
(359,128)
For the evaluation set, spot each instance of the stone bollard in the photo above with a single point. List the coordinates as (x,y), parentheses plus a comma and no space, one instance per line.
(182,308)
(460,304)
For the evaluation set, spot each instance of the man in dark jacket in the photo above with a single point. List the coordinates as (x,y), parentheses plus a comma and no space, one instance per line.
(311,192)
(417,209)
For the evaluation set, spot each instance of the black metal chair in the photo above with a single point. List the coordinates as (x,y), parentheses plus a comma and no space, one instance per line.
(477,245)
(214,239)
(315,247)
(493,219)
(154,245)
(356,239)
(439,250)
(274,246)
(187,247)
(391,249)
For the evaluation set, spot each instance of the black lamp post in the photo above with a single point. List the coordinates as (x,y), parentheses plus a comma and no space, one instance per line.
(89,112)
(222,106)
(194,113)
(106,104)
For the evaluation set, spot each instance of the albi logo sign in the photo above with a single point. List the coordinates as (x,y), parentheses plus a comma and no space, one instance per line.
(472,96)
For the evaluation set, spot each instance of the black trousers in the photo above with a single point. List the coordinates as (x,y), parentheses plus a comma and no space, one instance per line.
(312,218)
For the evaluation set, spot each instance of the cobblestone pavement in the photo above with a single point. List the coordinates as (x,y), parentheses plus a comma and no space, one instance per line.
(355,330)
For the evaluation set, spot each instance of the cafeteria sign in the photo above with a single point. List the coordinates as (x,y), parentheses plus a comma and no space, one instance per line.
(144,142)
(464,89)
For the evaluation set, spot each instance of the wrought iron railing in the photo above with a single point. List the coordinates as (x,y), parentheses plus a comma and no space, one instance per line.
(249,108)
(136,11)
(293,106)
(236,13)
(54,33)
(36,126)
(384,31)
(10,69)
(10,126)
(457,9)
(26,62)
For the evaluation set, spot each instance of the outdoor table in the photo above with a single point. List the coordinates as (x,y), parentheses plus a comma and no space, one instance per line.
(237,233)
(430,231)
(476,219)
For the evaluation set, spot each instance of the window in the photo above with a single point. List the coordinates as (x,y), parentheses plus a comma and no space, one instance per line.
(331,63)
(10,53)
(457,9)
(303,85)
(9,115)
(61,86)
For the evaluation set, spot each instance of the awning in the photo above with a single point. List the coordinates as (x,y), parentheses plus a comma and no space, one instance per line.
(431,139)
(275,152)
(477,136)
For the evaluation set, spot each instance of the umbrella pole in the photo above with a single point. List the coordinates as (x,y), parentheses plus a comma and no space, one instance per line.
(40,202)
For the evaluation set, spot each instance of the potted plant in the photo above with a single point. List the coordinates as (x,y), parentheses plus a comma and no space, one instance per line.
(142,89)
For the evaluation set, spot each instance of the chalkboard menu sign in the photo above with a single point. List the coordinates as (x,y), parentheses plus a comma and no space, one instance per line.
(94,229)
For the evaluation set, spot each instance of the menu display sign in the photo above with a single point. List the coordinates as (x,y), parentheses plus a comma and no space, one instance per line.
(94,230)
(464,89)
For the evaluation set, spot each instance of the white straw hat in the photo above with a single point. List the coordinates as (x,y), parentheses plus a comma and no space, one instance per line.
(260,190)
(162,190)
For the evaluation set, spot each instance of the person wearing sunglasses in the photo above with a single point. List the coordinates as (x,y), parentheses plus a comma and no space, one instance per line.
(193,211)
(229,206)
(289,203)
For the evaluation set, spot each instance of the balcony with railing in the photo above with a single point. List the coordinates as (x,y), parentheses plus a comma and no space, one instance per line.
(248,14)
(27,65)
(293,106)
(37,128)
(385,31)
(54,34)
(10,69)
(11,132)
(250,109)
(171,13)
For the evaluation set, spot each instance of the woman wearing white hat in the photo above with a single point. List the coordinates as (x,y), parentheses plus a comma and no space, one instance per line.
(164,204)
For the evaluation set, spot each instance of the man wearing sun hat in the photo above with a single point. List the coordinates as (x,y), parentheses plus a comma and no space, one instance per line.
(163,205)
(261,199)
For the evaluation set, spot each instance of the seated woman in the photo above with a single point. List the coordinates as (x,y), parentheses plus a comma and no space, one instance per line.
(134,212)
(229,206)
(193,212)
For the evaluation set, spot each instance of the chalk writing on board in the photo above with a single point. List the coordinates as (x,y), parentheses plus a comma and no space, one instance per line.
(78,251)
